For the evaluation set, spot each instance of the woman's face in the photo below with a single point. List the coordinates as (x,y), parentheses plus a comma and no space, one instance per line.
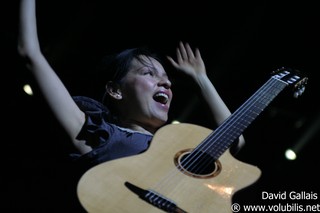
(146,93)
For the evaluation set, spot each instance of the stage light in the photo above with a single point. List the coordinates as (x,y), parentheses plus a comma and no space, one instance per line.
(27,89)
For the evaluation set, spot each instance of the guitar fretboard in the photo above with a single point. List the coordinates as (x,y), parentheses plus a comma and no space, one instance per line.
(222,138)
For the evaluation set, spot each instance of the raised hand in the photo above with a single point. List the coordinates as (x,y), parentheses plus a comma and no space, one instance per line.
(188,61)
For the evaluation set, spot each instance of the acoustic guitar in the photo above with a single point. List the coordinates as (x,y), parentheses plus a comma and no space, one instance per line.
(187,168)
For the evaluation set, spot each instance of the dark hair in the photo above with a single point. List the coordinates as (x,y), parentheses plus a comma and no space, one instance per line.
(118,64)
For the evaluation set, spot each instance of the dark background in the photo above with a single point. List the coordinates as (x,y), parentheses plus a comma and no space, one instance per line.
(241,43)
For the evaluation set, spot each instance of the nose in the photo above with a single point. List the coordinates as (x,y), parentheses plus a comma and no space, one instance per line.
(165,82)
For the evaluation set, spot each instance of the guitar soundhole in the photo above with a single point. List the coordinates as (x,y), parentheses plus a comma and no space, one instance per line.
(197,164)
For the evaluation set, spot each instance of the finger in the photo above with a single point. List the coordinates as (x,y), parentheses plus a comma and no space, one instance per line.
(179,56)
(197,53)
(171,60)
(183,52)
(173,63)
(189,51)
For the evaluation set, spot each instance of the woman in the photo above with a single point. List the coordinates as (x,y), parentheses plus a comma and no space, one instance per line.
(136,100)
(139,94)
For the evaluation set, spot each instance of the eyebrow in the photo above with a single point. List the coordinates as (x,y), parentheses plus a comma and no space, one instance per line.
(164,74)
(147,63)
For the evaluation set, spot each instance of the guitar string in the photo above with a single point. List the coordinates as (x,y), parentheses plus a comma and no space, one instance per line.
(218,148)
(169,182)
(219,135)
(169,178)
(266,102)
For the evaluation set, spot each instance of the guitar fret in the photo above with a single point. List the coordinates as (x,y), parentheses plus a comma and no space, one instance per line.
(221,139)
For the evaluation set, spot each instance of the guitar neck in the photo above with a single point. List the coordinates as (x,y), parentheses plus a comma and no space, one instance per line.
(222,138)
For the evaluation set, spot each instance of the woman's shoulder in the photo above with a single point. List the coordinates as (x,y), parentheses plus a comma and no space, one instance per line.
(89,104)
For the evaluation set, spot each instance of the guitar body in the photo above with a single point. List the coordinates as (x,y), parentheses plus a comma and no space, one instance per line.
(103,189)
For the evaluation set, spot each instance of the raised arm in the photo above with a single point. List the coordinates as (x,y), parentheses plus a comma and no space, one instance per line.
(191,63)
(55,93)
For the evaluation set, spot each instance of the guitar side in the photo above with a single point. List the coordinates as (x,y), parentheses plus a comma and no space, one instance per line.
(102,188)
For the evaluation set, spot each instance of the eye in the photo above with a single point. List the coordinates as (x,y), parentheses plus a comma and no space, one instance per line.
(149,72)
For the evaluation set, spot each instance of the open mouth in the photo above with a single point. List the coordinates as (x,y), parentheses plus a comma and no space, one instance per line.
(161,97)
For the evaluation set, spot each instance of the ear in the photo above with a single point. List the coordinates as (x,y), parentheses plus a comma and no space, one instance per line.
(113,89)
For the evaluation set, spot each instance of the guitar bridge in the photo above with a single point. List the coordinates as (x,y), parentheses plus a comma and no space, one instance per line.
(155,199)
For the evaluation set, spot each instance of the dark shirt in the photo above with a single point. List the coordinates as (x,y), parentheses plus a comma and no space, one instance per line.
(108,140)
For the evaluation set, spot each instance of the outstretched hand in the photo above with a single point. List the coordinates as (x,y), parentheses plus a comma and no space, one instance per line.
(188,61)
